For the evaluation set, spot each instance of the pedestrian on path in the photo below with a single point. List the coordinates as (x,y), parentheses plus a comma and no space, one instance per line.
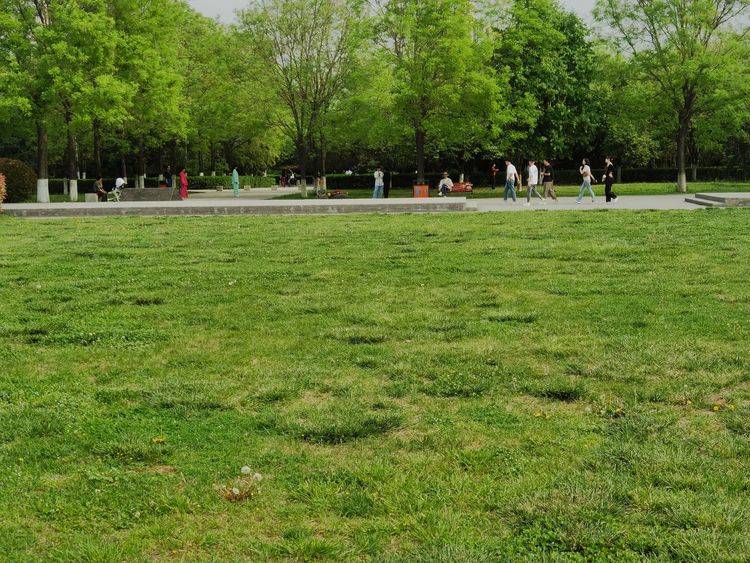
(609,180)
(548,180)
(236,182)
(588,179)
(511,177)
(377,192)
(183,184)
(532,184)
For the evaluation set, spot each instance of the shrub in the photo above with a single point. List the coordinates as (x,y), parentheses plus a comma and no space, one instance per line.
(213,182)
(20,180)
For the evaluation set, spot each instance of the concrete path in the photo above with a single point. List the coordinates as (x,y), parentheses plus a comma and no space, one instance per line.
(641,202)
(251,206)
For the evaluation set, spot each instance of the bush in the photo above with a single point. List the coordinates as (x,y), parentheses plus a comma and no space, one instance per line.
(367,181)
(20,180)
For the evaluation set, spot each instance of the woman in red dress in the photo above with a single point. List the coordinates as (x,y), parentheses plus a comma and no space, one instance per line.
(183,184)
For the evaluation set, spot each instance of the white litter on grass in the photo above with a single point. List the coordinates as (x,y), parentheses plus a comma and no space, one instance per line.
(245,470)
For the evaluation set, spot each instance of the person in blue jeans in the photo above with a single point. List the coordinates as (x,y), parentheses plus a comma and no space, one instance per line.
(377,193)
(588,179)
(511,177)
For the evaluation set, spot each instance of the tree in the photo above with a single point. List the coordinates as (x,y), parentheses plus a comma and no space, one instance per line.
(149,62)
(24,73)
(307,48)
(628,113)
(543,53)
(439,67)
(688,50)
(230,104)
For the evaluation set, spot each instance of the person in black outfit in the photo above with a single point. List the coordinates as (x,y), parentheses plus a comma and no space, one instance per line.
(609,179)
(548,180)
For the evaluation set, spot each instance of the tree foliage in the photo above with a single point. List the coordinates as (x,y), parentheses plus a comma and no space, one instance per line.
(94,85)
(689,52)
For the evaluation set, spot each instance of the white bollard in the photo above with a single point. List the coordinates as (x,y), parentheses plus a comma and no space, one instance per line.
(42,191)
(74,190)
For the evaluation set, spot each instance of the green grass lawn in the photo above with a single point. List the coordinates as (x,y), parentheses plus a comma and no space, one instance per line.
(436,387)
(570,191)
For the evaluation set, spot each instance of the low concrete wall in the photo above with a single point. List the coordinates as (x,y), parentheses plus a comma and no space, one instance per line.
(149,194)
(237,207)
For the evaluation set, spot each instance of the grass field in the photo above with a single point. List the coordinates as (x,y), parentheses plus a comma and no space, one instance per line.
(456,387)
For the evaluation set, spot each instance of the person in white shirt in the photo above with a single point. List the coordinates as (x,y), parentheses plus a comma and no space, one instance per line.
(445,186)
(533,182)
(377,193)
(588,179)
(511,177)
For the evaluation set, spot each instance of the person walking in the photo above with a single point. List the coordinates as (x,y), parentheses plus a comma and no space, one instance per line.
(511,177)
(377,192)
(494,170)
(532,183)
(236,182)
(445,186)
(588,179)
(168,177)
(184,184)
(548,180)
(609,180)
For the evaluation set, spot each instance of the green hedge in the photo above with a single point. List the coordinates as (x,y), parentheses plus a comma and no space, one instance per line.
(20,180)
(56,185)
(212,182)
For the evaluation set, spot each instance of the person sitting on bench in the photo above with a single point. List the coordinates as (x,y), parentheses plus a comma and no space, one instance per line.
(445,186)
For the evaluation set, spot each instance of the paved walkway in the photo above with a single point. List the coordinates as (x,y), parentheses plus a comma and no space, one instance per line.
(203,205)
(639,202)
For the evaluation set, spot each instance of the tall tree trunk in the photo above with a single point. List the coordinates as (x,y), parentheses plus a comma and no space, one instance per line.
(42,163)
(212,153)
(173,155)
(141,181)
(229,154)
(72,171)
(681,149)
(123,167)
(323,163)
(302,161)
(419,141)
